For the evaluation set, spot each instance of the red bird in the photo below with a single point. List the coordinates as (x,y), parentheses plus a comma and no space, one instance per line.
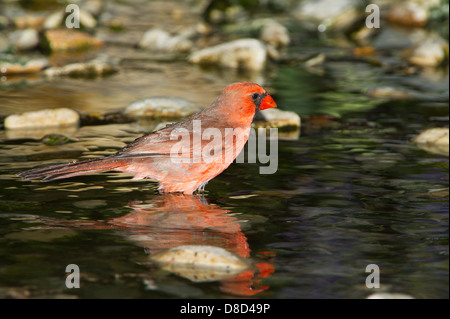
(226,126)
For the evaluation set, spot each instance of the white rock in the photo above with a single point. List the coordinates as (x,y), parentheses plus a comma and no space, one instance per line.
(408,14)
(24,39)
(161,106)
(275,34)
(277,118)
(42,118)
(56,19)
(389,92)
(160,40)
(248,54)
(201,263)
(23,67)
(335,14)
(430,52)
(434,140)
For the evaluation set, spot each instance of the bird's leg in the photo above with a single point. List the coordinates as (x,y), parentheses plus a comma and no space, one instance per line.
(201,188)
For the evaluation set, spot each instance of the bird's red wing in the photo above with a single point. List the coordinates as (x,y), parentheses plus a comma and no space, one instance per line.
(181,143)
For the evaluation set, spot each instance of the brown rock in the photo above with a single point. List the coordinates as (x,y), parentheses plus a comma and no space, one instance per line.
(67,39)
(408,14)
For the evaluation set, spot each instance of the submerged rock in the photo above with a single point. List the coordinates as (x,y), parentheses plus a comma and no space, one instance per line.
(434,140)
(94,7)
(161,125)
(42,118)
(250,54)
(4,43)
(277,119)
(200,263)
(160,40)
(161,107)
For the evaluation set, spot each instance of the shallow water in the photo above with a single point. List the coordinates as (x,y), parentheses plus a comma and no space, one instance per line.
(351,191)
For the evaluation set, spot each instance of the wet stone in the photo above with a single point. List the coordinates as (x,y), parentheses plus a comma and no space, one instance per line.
(161,107)
(434,140)
(275,34)
(24,39)
(68,39)
(14,65)
(160,40)
(250,54)
(267,29)
(42,118)
(276,118)
(430,52)
(58,19)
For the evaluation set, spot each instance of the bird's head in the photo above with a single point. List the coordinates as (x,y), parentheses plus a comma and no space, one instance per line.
(248,98)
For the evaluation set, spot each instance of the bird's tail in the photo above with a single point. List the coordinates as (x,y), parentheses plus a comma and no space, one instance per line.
(73,169)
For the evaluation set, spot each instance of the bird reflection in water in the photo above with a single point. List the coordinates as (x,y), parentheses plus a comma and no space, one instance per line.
(177,221)
(174,220)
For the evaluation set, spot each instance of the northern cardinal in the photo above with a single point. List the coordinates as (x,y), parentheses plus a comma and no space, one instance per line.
(226,126)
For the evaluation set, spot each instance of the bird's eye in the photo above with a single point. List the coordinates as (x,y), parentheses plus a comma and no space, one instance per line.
(255,96)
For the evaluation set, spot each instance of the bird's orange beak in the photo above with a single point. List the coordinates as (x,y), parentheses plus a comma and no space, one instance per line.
(267,103)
